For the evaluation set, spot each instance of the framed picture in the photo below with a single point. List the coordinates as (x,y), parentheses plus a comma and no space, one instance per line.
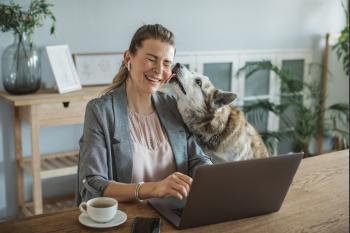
(63,68)
(97,68)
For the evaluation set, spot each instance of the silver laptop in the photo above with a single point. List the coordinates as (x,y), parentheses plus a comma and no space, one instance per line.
(233,190)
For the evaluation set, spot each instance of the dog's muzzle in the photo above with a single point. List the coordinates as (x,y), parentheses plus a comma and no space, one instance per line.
(176,72)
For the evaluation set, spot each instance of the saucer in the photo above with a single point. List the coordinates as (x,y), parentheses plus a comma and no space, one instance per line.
(119,218)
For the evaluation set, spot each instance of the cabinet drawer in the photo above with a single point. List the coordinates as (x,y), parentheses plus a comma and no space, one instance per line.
(61,113)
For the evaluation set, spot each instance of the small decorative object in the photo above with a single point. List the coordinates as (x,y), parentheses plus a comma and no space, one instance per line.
(97,68)
(21,71)
(63,68)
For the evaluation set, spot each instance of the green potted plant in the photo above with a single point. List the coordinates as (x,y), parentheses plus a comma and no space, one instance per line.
(21,71)
(305,128)
(342,45)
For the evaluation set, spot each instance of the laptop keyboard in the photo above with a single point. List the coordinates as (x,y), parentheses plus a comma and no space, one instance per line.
(178,211)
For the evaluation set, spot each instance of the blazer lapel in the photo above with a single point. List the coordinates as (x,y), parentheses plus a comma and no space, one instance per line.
(121,141)
(175,132)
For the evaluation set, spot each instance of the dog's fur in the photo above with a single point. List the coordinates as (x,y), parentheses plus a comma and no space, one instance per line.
(219,127)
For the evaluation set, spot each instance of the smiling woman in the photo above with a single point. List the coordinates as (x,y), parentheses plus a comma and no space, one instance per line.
(146,40)
(135,145)
(149,67)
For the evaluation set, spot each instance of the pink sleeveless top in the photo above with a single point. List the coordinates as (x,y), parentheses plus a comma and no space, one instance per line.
(153,159)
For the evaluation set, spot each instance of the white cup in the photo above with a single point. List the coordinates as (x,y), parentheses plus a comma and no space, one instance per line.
(100,209)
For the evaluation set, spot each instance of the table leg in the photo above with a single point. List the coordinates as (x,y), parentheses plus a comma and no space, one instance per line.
(37,192)
(19,162)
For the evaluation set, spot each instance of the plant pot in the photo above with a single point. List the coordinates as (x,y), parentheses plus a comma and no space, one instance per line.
(21,71)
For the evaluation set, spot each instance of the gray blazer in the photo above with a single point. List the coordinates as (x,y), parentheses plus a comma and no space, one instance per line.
(106,145)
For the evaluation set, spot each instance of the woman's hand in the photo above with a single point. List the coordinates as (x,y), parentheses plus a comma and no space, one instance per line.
(176,185)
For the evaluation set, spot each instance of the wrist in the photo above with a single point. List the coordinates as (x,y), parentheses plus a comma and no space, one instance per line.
(147,190)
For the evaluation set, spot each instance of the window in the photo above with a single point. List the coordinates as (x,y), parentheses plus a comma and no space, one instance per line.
(220,74)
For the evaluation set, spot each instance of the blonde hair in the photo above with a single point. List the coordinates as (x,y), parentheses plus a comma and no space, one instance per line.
(157,32)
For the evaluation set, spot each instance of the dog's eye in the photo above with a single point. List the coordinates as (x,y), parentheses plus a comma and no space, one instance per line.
(198,82)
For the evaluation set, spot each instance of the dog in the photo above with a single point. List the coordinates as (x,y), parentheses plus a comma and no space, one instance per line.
(219,127)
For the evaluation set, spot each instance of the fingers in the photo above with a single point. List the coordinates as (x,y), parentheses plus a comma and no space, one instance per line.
(168,187)
(188,180)
(180,189)
(176,184)
(175,193)
(181,183)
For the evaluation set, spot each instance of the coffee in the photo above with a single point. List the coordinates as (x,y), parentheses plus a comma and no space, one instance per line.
(101,205)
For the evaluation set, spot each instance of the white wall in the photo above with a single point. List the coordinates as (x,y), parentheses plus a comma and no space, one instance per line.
(199,25)
(338,81)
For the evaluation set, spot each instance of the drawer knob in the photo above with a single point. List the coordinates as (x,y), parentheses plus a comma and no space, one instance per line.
(66,104)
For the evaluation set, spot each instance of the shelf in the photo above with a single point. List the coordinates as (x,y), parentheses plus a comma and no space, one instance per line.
(55,165)
(51,205)
(43,109)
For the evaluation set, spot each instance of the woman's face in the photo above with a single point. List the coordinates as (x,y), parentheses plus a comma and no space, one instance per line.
(151,65)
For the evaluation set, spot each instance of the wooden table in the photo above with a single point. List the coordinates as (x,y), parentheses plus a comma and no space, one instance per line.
(318,201)
(42,109)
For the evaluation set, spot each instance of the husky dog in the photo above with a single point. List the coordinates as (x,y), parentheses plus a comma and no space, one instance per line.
(219,127)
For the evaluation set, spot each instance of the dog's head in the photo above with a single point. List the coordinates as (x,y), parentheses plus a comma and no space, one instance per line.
(195,91)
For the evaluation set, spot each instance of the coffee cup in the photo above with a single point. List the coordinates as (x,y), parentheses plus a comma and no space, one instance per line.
(100,209)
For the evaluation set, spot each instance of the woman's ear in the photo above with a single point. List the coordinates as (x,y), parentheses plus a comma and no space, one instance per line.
(128,66)
(127,60)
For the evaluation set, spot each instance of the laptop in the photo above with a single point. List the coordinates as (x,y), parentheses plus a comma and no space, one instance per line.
(231,190)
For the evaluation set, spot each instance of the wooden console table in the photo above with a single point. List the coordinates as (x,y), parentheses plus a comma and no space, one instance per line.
(42,109)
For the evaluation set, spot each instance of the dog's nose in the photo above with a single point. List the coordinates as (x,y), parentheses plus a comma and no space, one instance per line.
(176,67)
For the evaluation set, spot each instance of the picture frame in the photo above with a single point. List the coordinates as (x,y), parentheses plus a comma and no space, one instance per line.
(63,68)
(97,68)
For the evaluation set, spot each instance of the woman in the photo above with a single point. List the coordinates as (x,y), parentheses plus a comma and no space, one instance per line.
(134,134)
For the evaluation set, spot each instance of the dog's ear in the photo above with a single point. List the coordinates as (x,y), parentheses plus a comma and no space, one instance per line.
(222,98)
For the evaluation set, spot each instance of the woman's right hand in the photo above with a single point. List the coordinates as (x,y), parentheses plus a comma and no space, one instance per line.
(176,185)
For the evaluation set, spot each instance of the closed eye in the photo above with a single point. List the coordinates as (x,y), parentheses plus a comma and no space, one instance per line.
(198,82)
(151,60)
